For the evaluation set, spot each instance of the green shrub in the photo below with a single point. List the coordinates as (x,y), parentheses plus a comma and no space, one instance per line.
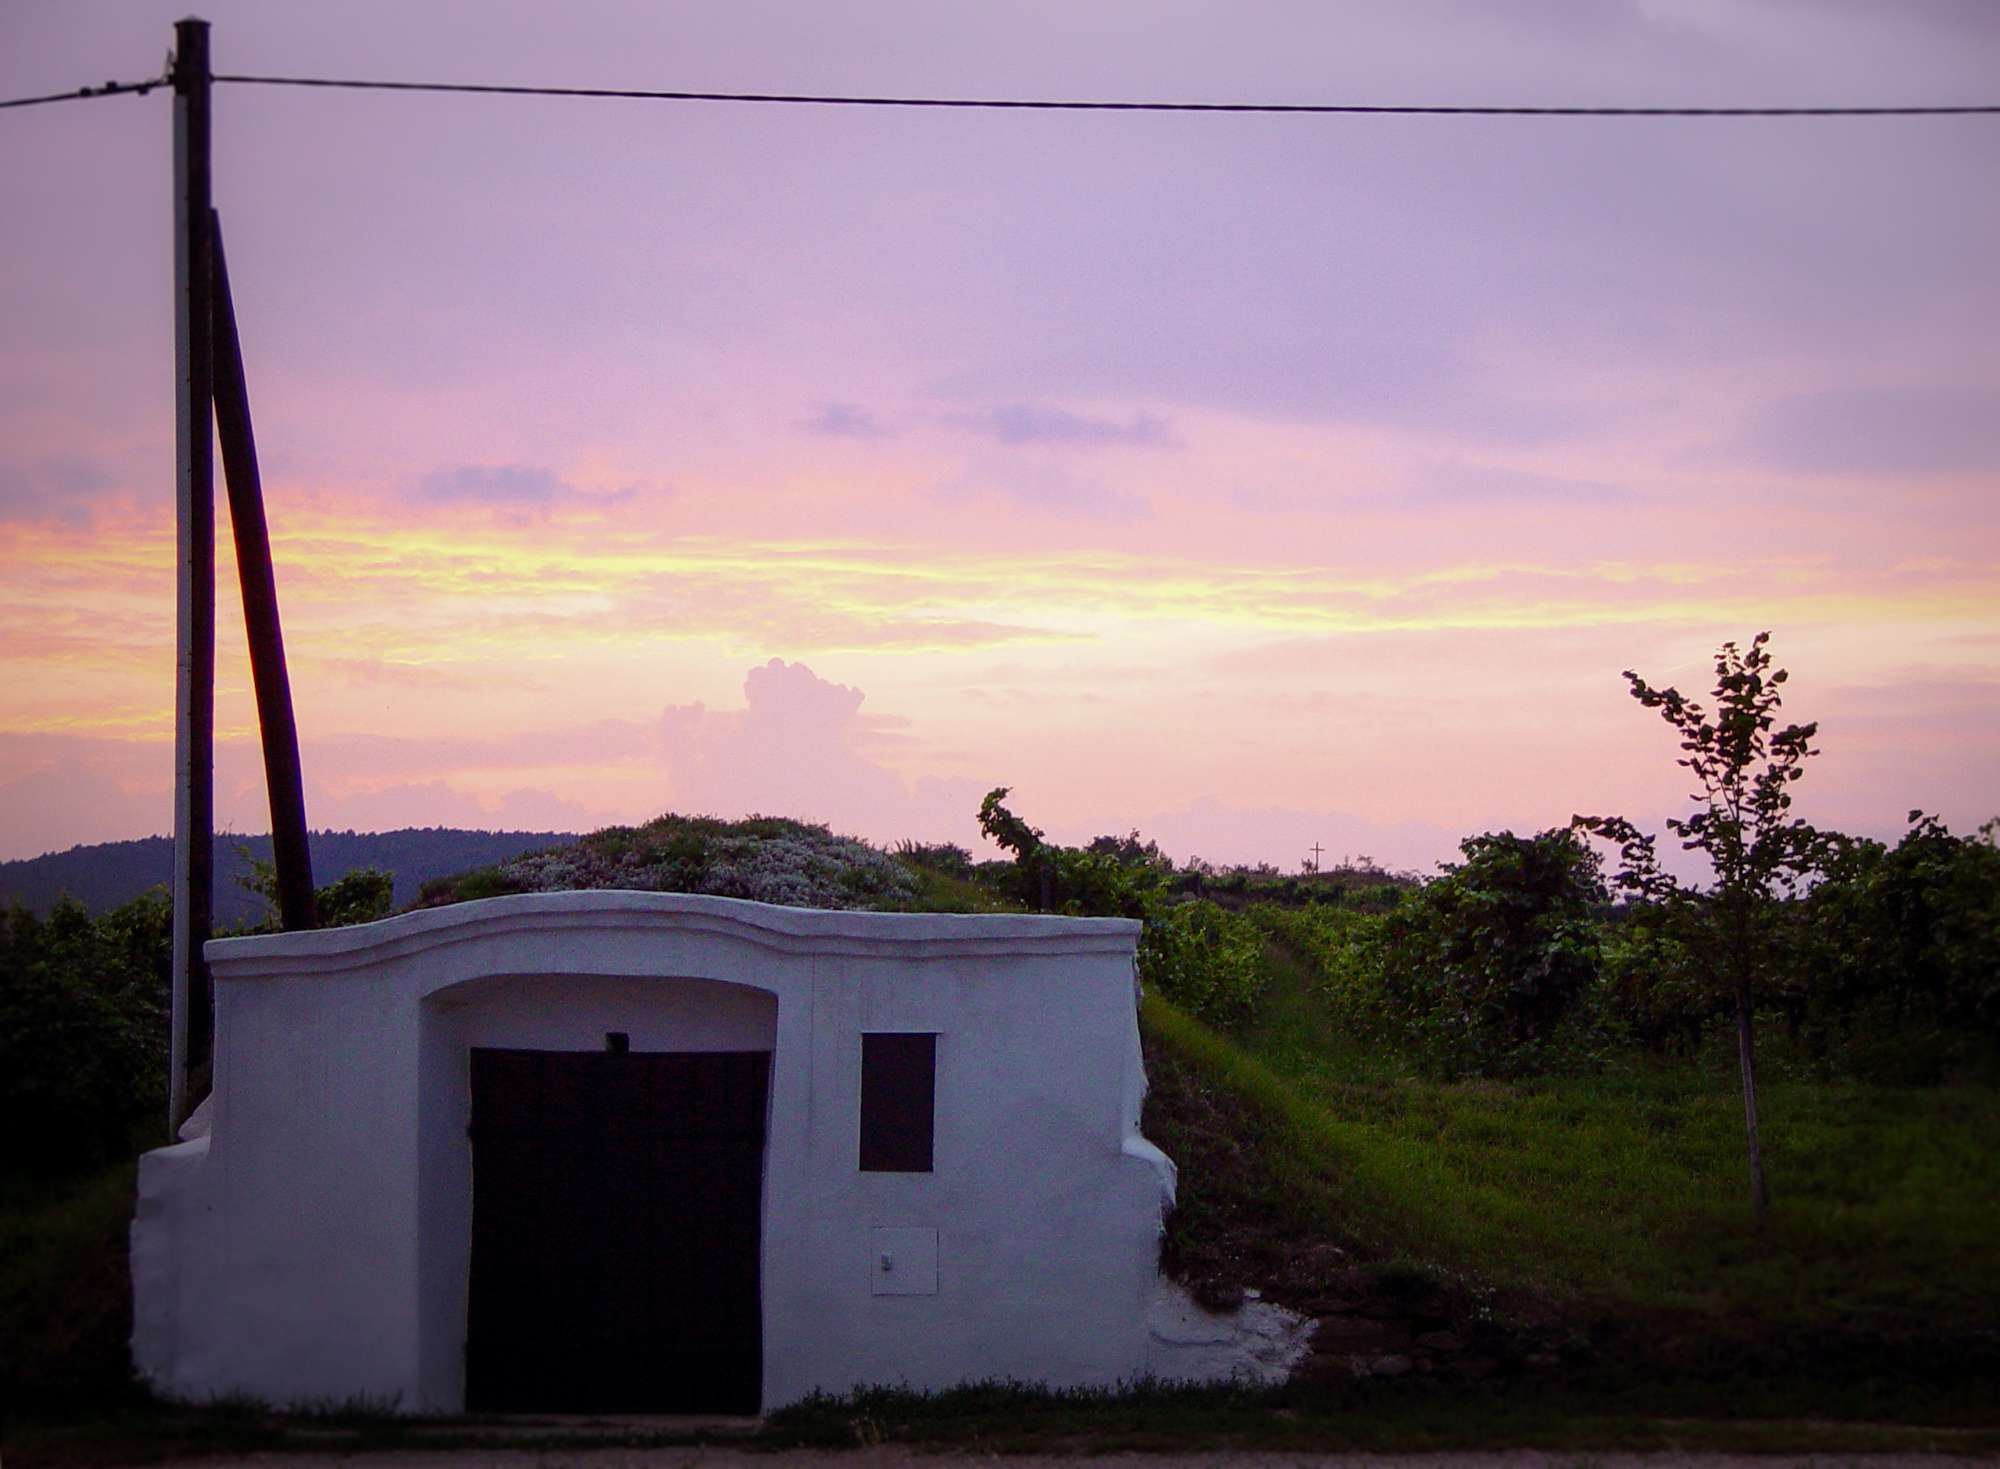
(83,1031)
(948,858)
(1490,969)
(481,882)
(1486,965)
(360,896)
(1652,993)
(1343,947)
(1207,960)
(1894,968)
(1058,879)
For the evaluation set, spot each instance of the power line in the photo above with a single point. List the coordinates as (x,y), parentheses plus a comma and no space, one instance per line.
(1014,104)
(1026,105)
(109,89)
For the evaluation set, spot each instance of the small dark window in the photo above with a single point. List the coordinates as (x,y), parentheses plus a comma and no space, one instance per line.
(898,1097)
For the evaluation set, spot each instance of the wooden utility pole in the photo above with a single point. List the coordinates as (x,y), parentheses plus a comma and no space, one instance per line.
(194,663)
(291,855)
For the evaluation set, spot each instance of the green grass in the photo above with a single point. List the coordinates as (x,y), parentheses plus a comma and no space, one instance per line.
(1883,1200)
(941,892)
(65,1294)
(1632,1189)
(1602,1223)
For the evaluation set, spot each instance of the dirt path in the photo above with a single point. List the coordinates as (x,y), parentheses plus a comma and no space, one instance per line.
(899,1458)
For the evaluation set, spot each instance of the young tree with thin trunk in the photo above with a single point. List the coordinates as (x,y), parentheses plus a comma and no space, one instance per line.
(1759,852)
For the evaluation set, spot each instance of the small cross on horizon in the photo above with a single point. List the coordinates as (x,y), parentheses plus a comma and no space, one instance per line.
(1316,850)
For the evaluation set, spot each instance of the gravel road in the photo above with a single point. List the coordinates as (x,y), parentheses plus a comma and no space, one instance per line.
(901,1458)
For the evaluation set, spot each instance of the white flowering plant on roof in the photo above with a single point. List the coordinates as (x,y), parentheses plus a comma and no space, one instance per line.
(767,859)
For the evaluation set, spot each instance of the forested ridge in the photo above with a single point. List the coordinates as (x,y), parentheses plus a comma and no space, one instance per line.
(105,875)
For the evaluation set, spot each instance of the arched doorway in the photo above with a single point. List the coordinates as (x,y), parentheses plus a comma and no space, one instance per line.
(594,1180)
(615,1208)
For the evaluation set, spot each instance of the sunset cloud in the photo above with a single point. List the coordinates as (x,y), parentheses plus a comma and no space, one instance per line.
(846,421)
(492,484)
(794,749)
(510,487)
(60,490)
(1044,487)
(1486,485)
(1016,425)
(1940,430)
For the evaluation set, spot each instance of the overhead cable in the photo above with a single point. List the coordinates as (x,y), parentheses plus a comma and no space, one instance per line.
(109,89)
(1027,105)
(1016,104)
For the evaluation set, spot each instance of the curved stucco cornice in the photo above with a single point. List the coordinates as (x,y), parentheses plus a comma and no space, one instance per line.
(805,931)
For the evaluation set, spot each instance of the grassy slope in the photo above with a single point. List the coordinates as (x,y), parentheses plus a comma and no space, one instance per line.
(1631,1189)
(1616,1208)
(65,1293)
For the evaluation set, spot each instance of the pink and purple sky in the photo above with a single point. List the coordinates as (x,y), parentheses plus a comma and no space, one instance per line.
(1254,481)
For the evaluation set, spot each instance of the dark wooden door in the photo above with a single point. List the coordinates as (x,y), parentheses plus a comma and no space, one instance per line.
(615,1213)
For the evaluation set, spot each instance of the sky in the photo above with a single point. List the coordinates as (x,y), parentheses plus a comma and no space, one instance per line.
(1257,482)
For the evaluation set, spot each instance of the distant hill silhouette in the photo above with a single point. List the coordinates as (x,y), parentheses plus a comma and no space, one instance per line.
(107,874)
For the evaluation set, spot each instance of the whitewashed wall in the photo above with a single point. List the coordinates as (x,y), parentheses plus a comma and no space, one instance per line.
(315,1243)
